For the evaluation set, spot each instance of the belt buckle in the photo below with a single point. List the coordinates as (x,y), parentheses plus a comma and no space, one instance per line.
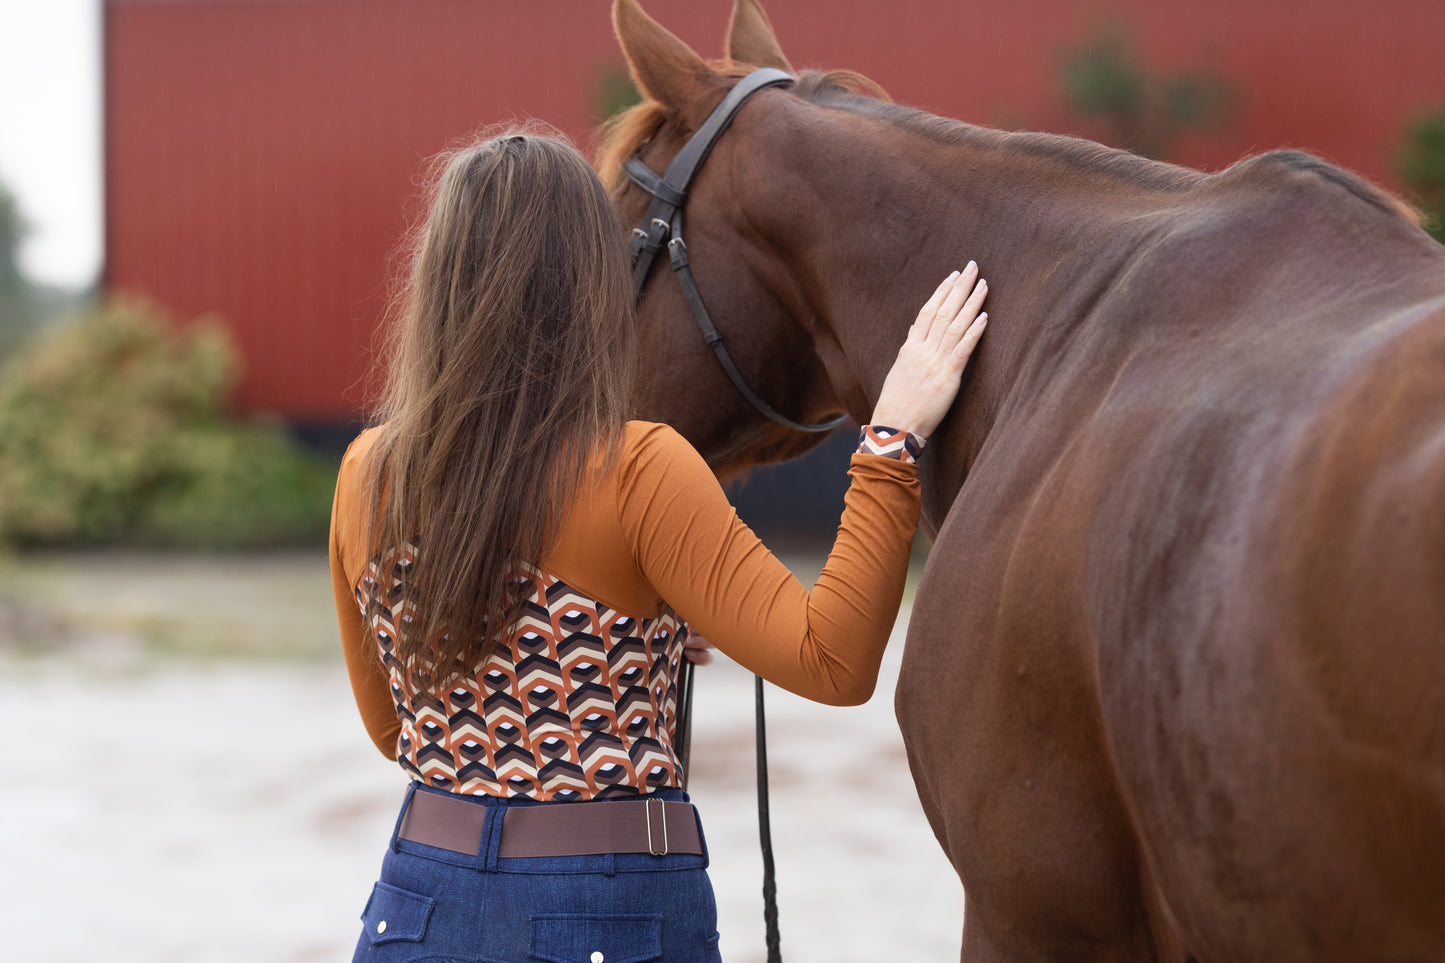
(662,811)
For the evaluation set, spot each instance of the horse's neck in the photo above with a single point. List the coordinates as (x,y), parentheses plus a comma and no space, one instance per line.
(890,226)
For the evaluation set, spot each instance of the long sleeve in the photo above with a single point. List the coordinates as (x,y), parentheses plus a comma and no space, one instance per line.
(369,682)
(688,542)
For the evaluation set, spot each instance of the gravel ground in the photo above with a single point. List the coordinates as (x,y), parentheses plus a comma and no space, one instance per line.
(224,808)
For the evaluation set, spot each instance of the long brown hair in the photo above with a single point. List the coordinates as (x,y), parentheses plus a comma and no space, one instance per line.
(510,364)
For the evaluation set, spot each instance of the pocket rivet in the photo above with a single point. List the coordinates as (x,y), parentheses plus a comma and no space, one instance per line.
(596,956)
(381,927)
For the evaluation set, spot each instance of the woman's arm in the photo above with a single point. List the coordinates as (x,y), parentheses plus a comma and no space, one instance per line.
(691,546)
(369,682)
(689,543)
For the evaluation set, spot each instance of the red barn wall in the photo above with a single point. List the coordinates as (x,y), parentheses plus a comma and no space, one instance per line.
(263,156)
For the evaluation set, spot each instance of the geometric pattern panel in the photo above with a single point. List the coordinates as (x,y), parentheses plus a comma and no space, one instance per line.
(578,701)
(903,446)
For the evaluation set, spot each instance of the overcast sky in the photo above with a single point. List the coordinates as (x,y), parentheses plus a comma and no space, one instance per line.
(50,133)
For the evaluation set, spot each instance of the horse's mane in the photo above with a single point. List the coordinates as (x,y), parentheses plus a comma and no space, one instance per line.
(854,93)
(621,135)
(820,89)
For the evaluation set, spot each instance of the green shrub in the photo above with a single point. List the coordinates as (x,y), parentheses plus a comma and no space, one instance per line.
(613,92)
(113,430)
(1143,112)
(17,308)
(1421,163)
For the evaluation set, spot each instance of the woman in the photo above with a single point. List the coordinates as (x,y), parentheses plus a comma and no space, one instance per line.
(517,568)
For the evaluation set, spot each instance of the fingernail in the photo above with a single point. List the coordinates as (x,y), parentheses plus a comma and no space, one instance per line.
(971,266)
(951,276)
(983,318)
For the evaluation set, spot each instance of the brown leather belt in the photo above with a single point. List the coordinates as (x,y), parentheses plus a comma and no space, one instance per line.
(653,826)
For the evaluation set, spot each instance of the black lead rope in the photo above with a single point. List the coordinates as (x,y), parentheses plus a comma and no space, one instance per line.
(765,837)
(765,828)
(684,717)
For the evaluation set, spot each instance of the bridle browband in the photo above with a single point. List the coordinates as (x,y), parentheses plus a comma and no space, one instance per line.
(663,222)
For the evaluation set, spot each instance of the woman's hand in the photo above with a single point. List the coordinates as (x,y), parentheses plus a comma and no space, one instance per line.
(924,380)
(697,649)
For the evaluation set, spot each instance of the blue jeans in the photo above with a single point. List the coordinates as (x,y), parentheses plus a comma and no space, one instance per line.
(438,906)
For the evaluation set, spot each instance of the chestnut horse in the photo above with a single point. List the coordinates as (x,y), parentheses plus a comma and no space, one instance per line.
(1174,684)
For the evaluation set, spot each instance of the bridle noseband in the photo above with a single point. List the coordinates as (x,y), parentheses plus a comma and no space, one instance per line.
(663,220)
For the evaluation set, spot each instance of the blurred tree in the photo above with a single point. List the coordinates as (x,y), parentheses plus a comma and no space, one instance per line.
(1104,80)
(1421,164)
(613,92)
(17,296)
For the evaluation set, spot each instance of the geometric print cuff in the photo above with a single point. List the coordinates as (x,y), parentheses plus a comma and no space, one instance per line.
(890,443)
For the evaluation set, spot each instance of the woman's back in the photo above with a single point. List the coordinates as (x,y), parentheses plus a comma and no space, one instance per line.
(578,699)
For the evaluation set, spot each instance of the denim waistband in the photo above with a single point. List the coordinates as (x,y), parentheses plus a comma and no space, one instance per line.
(487,860)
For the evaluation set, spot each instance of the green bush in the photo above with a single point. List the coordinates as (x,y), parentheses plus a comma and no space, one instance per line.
(1421,163)
(17,308)
(613,92)
(113,430)
(1143,112)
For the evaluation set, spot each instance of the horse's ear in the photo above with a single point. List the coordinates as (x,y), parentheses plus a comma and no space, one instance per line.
(664,68)
(751,39)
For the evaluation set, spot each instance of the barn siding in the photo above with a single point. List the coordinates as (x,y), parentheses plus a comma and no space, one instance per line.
(263,156)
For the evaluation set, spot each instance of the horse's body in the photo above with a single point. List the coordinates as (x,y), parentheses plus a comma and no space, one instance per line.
(1174,684)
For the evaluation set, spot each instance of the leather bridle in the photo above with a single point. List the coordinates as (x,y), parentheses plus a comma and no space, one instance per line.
(663,223)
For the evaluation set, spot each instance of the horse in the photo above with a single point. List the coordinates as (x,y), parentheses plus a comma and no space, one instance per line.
(1174,682)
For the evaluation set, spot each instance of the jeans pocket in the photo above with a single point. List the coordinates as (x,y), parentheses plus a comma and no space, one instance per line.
(394,914)
(597,939)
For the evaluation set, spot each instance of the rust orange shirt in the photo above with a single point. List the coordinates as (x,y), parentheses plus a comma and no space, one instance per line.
(577,701)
